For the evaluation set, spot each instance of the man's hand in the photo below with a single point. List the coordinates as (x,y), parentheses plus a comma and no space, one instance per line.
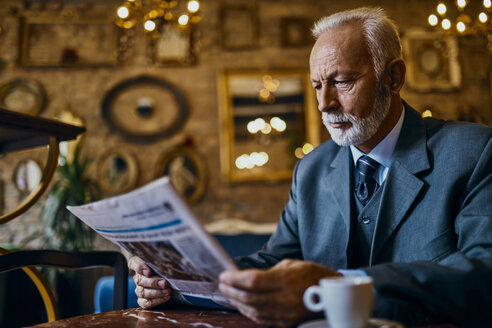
(151,290)
(274,296)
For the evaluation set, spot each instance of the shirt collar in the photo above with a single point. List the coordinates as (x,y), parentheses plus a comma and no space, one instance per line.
(384,149)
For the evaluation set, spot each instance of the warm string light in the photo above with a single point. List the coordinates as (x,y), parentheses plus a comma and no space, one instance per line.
(300,152)
(259,125)
(154,13)
(246,161)
(268,88)
(463,23)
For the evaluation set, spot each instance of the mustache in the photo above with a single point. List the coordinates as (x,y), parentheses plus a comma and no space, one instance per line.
(338,118)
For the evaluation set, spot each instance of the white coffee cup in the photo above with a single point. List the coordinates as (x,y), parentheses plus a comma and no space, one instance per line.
(347,301)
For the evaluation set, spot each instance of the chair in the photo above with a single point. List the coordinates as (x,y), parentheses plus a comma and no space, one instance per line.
(67,260)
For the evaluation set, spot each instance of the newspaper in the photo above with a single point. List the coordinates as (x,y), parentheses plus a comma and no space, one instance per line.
(155,224)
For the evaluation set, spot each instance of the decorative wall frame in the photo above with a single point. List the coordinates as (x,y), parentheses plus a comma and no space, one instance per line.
(240,101)
(145,108)
(295,32)
(117,171)
(23,95)
(432,61)
(56,41)
(173,45)
(187,171)
(239,27)
(27,176)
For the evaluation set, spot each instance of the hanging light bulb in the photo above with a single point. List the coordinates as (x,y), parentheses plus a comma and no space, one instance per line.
(461,27)
(487,3)
(441,8)
(433,20)
(193,6)
(482,17)
(149,25)
(446,24)
(461,3)
(122,12)
(183,19)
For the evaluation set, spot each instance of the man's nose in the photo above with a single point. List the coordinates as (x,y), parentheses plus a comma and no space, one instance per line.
(327,99)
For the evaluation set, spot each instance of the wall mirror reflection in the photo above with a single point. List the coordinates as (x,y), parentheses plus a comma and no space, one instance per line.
(268,121)
(27,176)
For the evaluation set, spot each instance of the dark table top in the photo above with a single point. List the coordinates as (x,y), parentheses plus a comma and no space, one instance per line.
(169,317)
(192,317)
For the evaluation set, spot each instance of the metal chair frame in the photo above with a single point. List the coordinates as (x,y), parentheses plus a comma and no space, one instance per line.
(28,259)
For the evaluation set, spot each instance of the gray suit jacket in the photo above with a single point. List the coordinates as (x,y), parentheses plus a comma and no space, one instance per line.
(431,256)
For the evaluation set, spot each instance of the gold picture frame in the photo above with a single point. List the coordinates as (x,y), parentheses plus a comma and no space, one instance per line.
(239,27)
(187,171)
(57,41)
(290,111)
(432,61)
(295,32)
(173,45)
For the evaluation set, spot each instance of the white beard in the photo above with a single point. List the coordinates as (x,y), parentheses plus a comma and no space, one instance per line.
(362,129)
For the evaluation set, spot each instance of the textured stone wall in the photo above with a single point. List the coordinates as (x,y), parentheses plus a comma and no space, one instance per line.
(82,90)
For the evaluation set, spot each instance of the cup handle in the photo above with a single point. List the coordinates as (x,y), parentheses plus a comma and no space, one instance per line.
(309,300)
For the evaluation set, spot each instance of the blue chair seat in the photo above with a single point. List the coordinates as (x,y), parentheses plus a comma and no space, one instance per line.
(103,294)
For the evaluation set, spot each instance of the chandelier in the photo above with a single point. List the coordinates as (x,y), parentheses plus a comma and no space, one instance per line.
(464,17)
(152,14)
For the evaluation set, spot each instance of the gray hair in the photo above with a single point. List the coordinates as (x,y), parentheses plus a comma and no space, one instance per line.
(379,30)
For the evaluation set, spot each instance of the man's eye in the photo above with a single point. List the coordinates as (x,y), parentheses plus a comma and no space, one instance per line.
(317,86)
(342,82)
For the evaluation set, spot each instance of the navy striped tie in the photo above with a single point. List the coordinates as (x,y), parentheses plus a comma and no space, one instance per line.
(365,185)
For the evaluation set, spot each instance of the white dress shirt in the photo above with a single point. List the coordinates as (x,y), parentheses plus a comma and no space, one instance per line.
(383,151)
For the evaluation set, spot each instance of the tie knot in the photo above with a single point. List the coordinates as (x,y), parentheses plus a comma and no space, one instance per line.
(367,166)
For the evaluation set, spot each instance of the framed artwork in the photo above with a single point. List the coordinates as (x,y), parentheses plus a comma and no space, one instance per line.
(24,96)
(268,121)
(117,171)
(432,61)
(295,32)
(173,45)
(68,42)
(145,108)
(239,27)
(187,171)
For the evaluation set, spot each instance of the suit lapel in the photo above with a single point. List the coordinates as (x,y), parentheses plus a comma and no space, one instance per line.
(401,186)
(340,188)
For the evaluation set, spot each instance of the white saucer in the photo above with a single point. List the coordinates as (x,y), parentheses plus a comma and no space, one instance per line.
(373,323)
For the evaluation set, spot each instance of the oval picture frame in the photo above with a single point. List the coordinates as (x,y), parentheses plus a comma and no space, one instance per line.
(26,85)
(145,109)
(117,171)
(187,171)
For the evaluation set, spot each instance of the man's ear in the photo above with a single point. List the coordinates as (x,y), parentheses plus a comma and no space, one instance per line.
(395,74)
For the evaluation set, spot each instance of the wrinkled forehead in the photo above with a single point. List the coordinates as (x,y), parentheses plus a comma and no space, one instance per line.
(346,42)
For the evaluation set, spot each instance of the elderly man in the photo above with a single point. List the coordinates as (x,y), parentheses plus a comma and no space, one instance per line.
(403,199)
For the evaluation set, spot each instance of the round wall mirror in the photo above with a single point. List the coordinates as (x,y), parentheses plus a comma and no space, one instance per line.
(23,96)
(117,171)
(187,171)
(27,175)
(145,108)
